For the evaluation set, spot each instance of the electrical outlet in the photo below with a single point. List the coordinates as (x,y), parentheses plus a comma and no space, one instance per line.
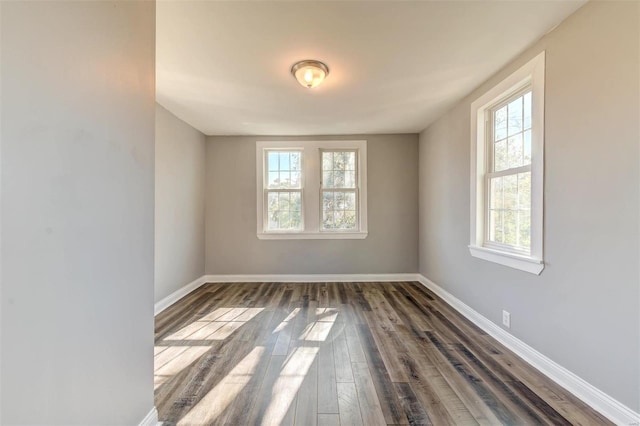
(506,319)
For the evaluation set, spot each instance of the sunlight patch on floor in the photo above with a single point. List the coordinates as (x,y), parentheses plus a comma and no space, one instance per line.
(285,322)
(316,331)
(327,314)
(178,350)
(218,399)
(181,361)
(284,389)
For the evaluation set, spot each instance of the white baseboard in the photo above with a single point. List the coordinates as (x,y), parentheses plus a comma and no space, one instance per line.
(178,294)
(310,278)
(594,397)
(151,419)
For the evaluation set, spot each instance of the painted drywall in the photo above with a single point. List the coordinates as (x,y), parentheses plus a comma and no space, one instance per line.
(234,248)
(179,224)
(77,212)
(583,311)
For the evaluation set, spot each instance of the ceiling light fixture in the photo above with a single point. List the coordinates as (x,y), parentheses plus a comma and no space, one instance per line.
(309,73)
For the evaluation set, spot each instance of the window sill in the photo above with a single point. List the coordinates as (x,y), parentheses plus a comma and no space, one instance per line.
(312,235)
(523,263)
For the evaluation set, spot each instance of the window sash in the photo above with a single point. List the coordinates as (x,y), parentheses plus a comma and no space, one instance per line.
(490,127)
(487,242)
(357,209)
(265,168)
(265,204)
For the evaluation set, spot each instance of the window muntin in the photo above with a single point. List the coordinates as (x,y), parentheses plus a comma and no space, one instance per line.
(339,190)
(508,182)
(283,192)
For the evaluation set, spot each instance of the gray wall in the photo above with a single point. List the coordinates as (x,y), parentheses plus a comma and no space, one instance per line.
(180,178)
(234,248)
(583,310)
(77,212)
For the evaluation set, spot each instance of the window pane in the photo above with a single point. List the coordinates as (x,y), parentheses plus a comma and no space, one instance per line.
(527,147)
(284,211)
(338,169)
(338,161)
(283,180)
(338,217)
(272,201)
(350,160)
(500,156)
(339,210)
(510,185)
(284,161)
(327,220)
(350,200)
(510,227)
(349,219)
(273,161)
(524,190)
(350,179)
(274,180)
(283,201)
(495,226)
(515,151)
(525,228)
(295,202)
(514,123)
(296,161)
(327,161)
(527,110)
(284,169)
(339,200)
(296,181)
(500,124)
(495,193)
(327,178)
(284,221)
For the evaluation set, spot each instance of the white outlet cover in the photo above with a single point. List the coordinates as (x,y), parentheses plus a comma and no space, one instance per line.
(506,319)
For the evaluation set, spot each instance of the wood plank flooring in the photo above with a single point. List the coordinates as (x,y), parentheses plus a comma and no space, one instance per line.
(342,354)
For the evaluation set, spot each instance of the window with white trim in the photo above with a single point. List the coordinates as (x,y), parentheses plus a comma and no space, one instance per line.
(311,190)
(507,139)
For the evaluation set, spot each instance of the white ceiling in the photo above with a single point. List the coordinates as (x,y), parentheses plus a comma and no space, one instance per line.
(395,67)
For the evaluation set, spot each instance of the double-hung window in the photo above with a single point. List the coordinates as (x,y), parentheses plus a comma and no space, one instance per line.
(507,139)
(311,190)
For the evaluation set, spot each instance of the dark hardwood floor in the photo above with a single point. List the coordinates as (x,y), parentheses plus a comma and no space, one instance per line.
(342,353)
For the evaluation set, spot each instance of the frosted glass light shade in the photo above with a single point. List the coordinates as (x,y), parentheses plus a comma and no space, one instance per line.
(309,73)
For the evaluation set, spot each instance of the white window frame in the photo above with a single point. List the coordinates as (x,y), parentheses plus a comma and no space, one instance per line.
(530,75)
(311,189)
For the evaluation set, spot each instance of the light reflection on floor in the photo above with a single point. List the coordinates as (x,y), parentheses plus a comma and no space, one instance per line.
(182,348)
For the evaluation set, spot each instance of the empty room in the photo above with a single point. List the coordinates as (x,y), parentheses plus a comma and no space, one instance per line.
(320,212)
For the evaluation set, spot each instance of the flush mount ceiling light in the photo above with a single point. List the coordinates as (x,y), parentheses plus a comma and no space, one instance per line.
(309,73)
